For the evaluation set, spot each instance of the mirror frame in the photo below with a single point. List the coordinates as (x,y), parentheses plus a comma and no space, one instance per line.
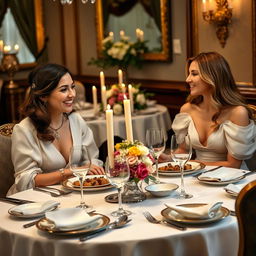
(40,35)
(165,54)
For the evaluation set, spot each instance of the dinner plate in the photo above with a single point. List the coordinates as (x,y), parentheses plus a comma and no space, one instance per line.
(102,222)
(195,168)
(69,185)
(147,111)
(14,213)
(221,183)
(172,216)
(91,177)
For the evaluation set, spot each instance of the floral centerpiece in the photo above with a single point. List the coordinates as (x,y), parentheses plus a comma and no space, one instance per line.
(115,96)
(139,159)
(122,53)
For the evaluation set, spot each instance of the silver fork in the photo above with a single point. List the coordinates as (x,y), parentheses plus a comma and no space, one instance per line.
(53,194)
(152,219)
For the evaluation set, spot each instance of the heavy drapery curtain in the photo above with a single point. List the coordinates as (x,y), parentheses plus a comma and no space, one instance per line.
(23,12)
(121,7)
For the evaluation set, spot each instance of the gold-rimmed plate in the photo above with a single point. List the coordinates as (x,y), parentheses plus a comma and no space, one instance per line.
(15,211)
(172,216)
(69,184)
(196,167)
(98,224)
(220,183)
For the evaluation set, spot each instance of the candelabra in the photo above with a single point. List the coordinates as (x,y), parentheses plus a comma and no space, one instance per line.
(221,18)
(10,64)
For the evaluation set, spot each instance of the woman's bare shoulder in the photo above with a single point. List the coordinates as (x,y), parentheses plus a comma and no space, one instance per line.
(239,115)
(186,108)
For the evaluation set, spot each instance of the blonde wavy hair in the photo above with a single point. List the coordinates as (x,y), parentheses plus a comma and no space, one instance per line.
(215,71)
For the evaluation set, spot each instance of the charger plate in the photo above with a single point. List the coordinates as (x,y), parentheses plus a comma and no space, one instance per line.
(171,216)
(195,168)
(102,222)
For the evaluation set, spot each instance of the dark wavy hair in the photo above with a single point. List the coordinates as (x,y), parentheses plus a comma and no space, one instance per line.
(215,71)
(42,80)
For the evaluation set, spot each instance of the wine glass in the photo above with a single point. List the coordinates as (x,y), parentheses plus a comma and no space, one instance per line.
(80,163)
(155,140)
(181,151)
(118,173)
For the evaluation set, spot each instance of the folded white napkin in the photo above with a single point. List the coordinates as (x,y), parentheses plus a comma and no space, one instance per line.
(222,174)
(234,188)
(34,208)
(198,211)
(70,219)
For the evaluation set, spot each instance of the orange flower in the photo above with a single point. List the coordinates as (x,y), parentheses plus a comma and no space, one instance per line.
(134,151)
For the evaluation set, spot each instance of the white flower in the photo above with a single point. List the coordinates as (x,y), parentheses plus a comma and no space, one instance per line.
(106,40)
(117,109)
(141,99)
(135,90)
(147,161)
(144,150)
(133,52)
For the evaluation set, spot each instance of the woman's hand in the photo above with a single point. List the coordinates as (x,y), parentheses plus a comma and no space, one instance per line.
(164,158)
(96,170)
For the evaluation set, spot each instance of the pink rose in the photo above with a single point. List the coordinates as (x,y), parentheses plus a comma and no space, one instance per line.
(142,171)
(116,153)
(120,97)
(112,101)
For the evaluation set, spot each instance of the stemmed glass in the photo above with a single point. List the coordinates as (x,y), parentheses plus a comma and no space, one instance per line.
(118,174)
(80,163)
(181,151)
(155,141)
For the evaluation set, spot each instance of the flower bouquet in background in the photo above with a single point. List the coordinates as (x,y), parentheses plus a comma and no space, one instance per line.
(115,96)
(122,53)
(139,160)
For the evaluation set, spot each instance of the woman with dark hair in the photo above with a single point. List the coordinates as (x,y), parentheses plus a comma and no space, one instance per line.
(41,142)
(220,124)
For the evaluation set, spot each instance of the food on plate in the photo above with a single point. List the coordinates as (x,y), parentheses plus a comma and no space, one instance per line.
(174,167)
(93,182)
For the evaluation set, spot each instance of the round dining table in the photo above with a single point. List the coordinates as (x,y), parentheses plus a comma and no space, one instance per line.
(139,237)
(153,117)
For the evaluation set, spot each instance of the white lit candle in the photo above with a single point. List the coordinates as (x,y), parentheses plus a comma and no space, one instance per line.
(123,88)
(230,4)
(141,35)
(204,5)
(111,35)
(102,79)
(1,46)
(138,33)
(120,77)
(128,120)
(95,101)
(110,135)
(121,34)
(130,96)
(104,97)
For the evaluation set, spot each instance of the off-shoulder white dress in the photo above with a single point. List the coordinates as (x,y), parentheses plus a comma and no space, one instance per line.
(239,141)
(31,156)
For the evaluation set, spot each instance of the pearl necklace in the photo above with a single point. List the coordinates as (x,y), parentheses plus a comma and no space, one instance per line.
(56,131)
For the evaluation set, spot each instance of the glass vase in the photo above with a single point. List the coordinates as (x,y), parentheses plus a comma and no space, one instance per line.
(133,192)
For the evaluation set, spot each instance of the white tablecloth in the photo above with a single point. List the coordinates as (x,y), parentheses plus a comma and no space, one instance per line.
(139,238)
(140,123)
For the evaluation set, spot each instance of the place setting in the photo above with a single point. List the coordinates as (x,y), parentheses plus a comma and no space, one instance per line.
(222,176)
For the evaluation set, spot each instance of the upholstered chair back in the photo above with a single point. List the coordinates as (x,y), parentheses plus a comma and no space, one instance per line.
(80,91)
(6,166)
(245,207)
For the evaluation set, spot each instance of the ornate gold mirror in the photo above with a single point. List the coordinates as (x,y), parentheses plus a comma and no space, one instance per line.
(151,16)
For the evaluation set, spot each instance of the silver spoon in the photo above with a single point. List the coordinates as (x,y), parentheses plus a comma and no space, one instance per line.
(120,222)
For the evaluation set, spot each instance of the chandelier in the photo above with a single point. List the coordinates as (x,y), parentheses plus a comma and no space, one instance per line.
(71,1)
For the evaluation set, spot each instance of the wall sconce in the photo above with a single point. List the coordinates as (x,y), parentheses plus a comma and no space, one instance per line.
(10,64)
(221,18)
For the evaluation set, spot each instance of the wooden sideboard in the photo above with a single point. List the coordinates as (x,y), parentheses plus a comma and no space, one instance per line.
(171,94)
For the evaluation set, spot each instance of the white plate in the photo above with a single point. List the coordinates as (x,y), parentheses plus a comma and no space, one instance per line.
(91,177)
(101,223)
(195,168)
(221,183)
(14,213)
(170,215)
(69,185)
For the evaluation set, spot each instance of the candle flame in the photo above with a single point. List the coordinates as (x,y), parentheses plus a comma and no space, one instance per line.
(125,98)
(108,107)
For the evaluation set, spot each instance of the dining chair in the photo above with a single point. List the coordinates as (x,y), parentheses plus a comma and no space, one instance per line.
(80,91)
(245,207)
(103,149)
(6,166)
